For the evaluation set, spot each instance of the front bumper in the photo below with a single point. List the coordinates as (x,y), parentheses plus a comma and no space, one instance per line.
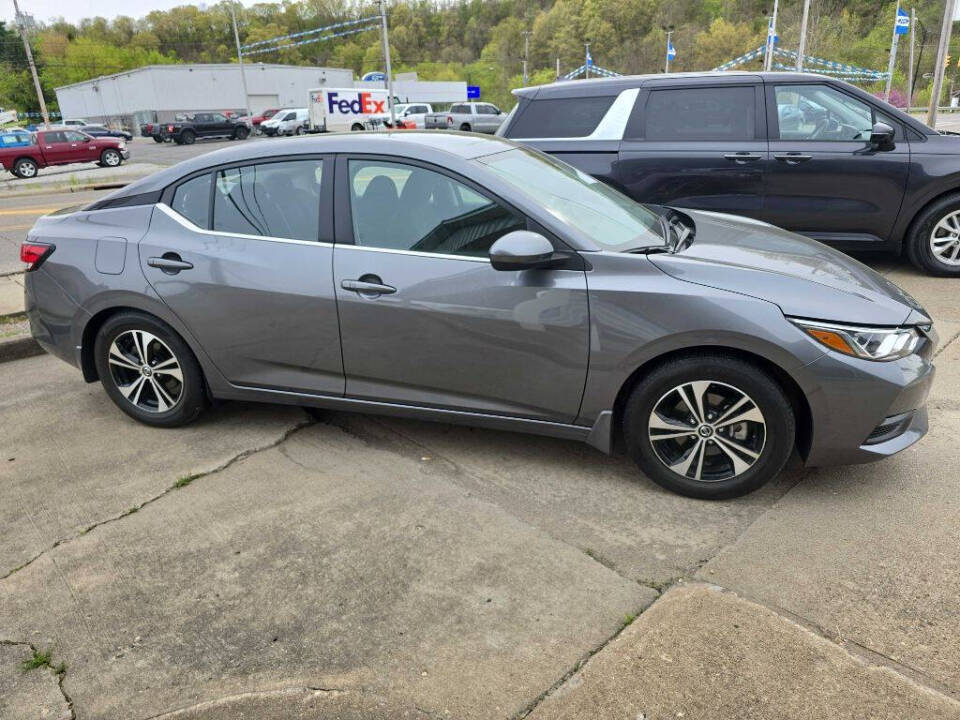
(125,154)
(863,411)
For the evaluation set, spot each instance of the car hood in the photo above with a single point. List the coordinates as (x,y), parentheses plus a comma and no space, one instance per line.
(805,278)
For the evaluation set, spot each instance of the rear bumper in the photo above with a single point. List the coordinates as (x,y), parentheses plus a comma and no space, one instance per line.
(52,315)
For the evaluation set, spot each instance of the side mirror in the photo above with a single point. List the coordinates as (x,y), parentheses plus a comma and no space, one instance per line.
(881,137)
(521,250)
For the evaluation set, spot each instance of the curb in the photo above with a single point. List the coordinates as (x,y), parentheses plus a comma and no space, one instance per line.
(18,348)
(64,188)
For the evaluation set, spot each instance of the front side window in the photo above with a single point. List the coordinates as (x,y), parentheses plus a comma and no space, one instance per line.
(74,136)
(192,200)
(610,219)
(217,117)
(818,112)
(277,199)
(714,113)
(404,207)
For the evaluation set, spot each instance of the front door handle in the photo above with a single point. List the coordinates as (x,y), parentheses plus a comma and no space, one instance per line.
(368,285)
(743,157)
(170,263)
(792,158)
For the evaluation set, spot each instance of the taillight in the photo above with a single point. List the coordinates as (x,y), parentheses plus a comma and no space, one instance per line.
(449,120)
(34,253)
(169,128)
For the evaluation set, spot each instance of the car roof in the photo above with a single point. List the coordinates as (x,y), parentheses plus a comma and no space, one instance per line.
(432,146)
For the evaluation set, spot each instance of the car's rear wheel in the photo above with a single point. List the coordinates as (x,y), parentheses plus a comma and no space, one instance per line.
(356,127)
(188,137)
(25,168)
(709,426)
(241,133)
(933,243)
(465,127)
(299,130)
(110,158)
(157,139)
(148,370)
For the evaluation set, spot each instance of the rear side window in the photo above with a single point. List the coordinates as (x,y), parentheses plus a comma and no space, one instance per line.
(460,109)
(278,199)
(560,117)
(192,200)
(714,113)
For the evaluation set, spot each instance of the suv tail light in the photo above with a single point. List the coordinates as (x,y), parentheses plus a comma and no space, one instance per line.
(169,128)
(34,253)
(449,120)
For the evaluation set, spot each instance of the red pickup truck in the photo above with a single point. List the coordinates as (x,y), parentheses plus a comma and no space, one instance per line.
(62,147)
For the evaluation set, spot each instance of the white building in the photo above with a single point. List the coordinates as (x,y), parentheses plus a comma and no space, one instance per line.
(160,92)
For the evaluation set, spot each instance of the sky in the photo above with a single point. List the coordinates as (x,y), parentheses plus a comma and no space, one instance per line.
(74,10)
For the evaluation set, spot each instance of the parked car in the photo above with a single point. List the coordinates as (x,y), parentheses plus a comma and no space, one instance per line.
(286,122)
(258,119)
(469,117)
(201,125)
(62,147)
(73,122)
(808,153)
(413,115)
(476,281)
(146,130)
(103,131)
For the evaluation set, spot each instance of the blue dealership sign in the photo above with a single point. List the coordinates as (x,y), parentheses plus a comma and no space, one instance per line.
(903,22)
(473,92)
(374,77)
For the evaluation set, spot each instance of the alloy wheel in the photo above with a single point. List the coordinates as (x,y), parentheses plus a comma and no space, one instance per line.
(111,158)
(145,371)
(27,169)
(707,431)
(945,239)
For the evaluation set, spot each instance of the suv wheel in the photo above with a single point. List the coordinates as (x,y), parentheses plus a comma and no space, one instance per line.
(356,127)
(241,133)
(933,243)
(188,137)
(709,426)
(157,139)
(465,127)
(148,371)
(110,158)
(25,168)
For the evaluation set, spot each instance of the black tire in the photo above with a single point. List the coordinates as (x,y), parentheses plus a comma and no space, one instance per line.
(241,133)
(190,401)
(725,373)
(187,137)
(299,130)
(918,241)
(25,168)
(157,138)
(111,158)
(465,127)
(356,127)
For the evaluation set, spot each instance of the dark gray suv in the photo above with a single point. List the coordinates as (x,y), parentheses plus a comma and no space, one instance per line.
(808,153)
(459,278)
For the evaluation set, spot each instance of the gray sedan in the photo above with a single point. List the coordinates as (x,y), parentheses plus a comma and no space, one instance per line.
(460,278)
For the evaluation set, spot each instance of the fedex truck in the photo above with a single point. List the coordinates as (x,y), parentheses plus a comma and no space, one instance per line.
(342,109)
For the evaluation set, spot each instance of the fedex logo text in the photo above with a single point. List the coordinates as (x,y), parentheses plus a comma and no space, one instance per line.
(363,104)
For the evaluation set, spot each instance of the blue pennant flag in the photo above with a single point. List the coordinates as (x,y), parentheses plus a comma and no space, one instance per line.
(589,59)
(903,22)
(671,51)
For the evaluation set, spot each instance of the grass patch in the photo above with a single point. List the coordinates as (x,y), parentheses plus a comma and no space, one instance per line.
(39,659)
(185,480)
(12,318)
(628,618)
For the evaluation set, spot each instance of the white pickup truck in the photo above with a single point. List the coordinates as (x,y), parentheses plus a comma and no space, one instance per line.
(413,112)
(469,117)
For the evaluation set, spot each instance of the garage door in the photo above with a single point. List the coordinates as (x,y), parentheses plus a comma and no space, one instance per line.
(259,103)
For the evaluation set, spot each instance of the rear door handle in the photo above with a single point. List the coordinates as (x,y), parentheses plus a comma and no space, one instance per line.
(792,158)
(743,157)
(366,287)
(170,263)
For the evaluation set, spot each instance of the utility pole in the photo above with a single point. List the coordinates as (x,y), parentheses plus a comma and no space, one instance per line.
(913,24)
(33,67)
(666,64)
(771,34)
(893,54)
(939,69)
(386,59)
(243,72)
(558,67)
(803,35)
(526,54)
(586,65)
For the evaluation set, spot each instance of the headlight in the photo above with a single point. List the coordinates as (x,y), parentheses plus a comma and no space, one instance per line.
(881,344)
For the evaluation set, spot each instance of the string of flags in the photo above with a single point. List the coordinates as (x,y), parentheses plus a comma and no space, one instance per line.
(594,70)
(824,66)
(283,42)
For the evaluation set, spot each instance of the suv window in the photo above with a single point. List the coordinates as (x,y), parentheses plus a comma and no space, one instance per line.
(217,117)
(709,113)
(192,200)
(276,199)
(821,113)
(461,109)
(486,110)
(404,207)
(560,117)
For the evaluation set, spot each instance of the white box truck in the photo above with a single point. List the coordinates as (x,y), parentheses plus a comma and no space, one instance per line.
(342,109)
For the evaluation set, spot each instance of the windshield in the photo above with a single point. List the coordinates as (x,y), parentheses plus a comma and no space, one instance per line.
(610,219)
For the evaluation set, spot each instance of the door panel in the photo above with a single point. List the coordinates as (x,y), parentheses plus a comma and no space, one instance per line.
(458,334)
(823,182)
(701,148)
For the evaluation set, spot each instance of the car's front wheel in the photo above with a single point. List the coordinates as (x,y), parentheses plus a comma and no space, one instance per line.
(148,370)
(709,426)
(933,243)
(241,133)
(110,158)
(157,139)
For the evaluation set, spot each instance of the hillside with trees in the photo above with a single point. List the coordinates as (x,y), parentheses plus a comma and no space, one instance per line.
(480,41)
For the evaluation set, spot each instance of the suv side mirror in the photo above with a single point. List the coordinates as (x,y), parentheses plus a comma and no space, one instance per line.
(881,137)
(522,250)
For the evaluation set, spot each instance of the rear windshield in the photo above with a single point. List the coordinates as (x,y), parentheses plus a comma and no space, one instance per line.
(560,117)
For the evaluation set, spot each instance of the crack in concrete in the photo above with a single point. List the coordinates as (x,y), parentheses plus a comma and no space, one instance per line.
(947,344)
(59,675)
(280,692)
(176,486)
